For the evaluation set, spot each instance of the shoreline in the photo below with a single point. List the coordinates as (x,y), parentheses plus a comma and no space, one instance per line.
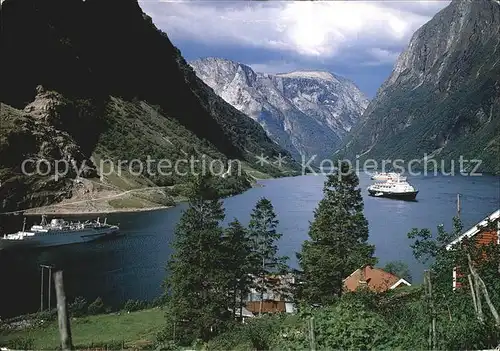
(38,211)
(91,213)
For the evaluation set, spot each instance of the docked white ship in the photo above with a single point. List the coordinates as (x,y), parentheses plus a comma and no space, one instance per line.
(58,232)
(384,176)
(396,189)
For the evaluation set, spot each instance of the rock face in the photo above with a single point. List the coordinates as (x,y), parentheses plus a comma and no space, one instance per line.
(114,87)
(443,96)
(306,112)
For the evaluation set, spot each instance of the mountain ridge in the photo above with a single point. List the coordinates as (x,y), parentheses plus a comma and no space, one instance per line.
(306,112)
(110,80)
(442,97)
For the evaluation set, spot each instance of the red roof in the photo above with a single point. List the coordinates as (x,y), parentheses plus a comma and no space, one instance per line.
(479,228)
(376,279)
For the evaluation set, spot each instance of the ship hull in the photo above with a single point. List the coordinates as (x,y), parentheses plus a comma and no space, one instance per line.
(59,239)
(392,195)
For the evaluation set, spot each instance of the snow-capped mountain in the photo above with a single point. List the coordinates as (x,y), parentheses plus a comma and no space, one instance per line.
(306,112)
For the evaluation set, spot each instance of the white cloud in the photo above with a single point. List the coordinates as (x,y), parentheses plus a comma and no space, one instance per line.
(380,56)
(322,29)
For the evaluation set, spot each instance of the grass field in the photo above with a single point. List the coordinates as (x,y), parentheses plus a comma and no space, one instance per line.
(133,330)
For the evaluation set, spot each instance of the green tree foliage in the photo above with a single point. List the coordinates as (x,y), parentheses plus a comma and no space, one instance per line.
(236,260)
(347,325)
(458,325)
(79,307)
(264,237)
(134,305)
(400,269)
(338,239)
(197,305)
(97,307)
(256,334)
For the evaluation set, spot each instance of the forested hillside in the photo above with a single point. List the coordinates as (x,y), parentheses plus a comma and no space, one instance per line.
(103,76)
(443,96)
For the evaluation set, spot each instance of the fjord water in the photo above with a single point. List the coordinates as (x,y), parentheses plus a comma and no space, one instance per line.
(131,266)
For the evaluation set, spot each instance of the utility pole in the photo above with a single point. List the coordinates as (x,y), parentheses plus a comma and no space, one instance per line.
(50,285)
(62,312)
(41,291)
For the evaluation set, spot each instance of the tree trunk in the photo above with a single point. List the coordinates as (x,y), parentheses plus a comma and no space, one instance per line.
(234,301)
(484,290)
(262,287)
(241,305)
(473,294)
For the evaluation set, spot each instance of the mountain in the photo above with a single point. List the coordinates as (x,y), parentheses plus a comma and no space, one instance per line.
(306,112)
(443,96)
(94,83)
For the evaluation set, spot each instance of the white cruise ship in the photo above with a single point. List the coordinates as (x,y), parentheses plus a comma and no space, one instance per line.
(396,189)
(58,232)
(383,176)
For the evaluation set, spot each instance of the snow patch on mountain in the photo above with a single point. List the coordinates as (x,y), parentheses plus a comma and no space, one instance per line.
(306,112)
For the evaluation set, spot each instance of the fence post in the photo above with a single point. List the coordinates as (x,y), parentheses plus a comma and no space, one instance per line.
(312,338)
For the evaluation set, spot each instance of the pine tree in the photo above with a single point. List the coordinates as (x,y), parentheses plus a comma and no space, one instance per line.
(338,239)
(264,237)
(237,264)
(197,302)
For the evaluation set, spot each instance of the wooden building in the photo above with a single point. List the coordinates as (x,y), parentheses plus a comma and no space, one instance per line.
(276,299)
(485,232)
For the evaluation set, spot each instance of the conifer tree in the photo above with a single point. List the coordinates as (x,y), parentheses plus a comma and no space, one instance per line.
(264,237)
(237,264)
(197,302)
(338,239)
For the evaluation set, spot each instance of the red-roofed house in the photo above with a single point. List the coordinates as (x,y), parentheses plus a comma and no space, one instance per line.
(483,235)
(375,279)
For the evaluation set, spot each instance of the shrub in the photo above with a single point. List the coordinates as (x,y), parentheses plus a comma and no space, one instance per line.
(345,325)
(159,301)
(104,345)
(134,305)
(96,307)
(256,334)
(48,315)
(79,307)
(20,343)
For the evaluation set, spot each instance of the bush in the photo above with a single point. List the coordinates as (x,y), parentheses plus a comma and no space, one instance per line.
(20,343)
(159,301)
(346,325)
(96,307)
(135,305)
(79,307)
(256,334)
(105,345)
(48,315)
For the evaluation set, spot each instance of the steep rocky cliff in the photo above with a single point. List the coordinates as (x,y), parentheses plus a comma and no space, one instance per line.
(306,112)
(443,96)
(112,85)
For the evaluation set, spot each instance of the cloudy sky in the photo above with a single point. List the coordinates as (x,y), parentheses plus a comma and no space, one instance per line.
(356,39)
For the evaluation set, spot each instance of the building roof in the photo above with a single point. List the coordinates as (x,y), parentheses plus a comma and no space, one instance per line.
(475,229)
(376,279)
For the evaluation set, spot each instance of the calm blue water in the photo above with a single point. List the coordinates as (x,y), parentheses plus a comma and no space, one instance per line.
(132,266)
